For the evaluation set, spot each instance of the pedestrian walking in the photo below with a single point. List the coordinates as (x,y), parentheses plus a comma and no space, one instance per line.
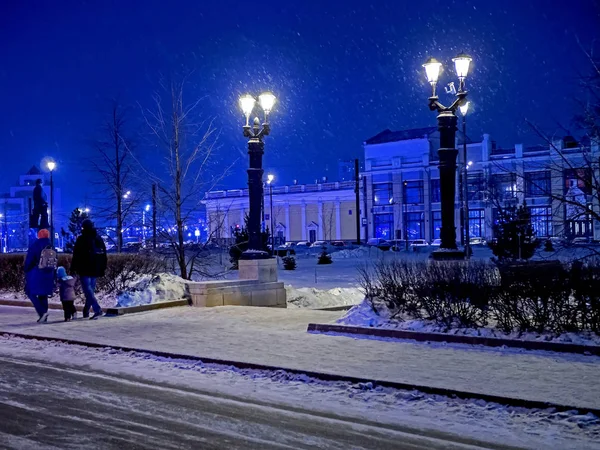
(89,262)
(66,288)
(40,264)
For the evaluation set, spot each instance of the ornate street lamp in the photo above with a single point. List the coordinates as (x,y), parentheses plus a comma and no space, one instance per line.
(447,121)
(51,166)
(256,146)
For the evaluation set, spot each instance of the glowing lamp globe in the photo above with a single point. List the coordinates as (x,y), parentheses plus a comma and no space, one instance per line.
(51,165)
(432,70)
(247,104)
(267,100)
(461,63)
(464,108)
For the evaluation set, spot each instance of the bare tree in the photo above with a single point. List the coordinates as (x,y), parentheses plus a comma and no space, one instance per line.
(188,145)
(114,173)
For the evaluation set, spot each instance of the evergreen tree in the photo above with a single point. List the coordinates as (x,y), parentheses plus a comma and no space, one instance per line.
(514,237)
(75,222)
(241,242)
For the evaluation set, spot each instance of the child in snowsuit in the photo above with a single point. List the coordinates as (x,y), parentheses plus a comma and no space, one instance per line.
(66,286)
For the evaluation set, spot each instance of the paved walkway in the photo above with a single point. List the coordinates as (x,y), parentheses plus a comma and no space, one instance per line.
(278,337)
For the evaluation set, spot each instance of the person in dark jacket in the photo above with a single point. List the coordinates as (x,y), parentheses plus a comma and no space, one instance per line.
(39,283)
(66,288)
(89,262)
(40,206)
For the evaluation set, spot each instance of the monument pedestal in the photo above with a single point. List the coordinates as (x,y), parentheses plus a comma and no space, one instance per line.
(257,286)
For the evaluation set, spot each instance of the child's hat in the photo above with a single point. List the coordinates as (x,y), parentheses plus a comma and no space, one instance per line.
(61,272)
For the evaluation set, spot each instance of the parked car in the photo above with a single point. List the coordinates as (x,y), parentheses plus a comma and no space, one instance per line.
(303,245)
(322,244)
(436,242)
(419,243)
(380,243)
(477,241)
(397,245)
(339,244)
(287,245)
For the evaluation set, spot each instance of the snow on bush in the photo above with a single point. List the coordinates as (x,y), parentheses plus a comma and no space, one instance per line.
(146,289)
(363,315)
(315,298)
(360,252)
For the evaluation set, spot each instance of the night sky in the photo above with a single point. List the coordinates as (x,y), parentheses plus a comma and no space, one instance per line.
(342,71)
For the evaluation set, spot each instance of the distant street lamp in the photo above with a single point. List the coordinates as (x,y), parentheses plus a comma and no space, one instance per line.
(255,134)
(270,179)
(51,167)
(144,211)
(447,121)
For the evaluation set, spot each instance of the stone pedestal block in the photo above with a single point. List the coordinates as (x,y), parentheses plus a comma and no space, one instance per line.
(264,270)
(238,293)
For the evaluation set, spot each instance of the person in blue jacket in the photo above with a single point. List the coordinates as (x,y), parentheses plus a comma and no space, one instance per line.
(39,283)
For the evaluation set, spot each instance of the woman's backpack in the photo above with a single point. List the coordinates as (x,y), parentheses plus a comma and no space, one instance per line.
(48,259)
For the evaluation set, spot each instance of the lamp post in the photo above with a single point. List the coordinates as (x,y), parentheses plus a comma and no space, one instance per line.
(51,167)
(144,211)
(256,146)
(447,121)
(270,179)
(2,239)
(464,108)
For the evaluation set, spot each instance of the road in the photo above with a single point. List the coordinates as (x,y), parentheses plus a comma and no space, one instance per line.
(57,407)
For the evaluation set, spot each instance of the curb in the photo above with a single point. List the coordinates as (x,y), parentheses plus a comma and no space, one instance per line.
(455,339)
(324,376)
(27,304)
(141,308)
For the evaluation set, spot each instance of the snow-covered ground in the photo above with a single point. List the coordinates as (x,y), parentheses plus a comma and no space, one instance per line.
(147,289)
(362,315)
(488,422)
(278,337)
(308,297)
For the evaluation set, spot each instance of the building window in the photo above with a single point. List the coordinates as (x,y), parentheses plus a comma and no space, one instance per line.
(413,192)
(383,193)
(383,225)
(415,225)
(504,186)
(477,223)
(436,221)
(537,184)
(541,221)
(436,193)
(475,186)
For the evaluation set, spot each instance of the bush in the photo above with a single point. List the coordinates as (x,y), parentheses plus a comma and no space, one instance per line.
(289,263)
(535,296)
(324,258)
(121,269)
(456,294)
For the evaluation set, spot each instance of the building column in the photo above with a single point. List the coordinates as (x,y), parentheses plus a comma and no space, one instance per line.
(304,238)
(321,221)
(226,230)
(287,222)
(338,220)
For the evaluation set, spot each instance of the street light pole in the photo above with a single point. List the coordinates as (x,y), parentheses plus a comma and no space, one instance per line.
(256,146)
(447,122)
(154,216)
(404,208)
(270,179)
(463,110)
(51,167)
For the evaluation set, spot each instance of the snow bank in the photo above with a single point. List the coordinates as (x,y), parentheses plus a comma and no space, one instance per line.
(362,315)
(360,252)
(312,298)
(155,288)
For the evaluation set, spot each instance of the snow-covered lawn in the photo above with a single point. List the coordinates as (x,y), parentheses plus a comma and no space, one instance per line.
(488,422)
(362,315)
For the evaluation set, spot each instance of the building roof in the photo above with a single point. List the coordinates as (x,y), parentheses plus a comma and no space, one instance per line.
(34,171)
(404,135)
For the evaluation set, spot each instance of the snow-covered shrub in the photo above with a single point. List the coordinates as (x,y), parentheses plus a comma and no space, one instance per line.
(535,297)
(585,282)
(456,294)
(123,268)
(12,276)
(324,258)
(289,263)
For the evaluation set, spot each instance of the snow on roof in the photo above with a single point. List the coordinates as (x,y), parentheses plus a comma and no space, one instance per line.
(403,135)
